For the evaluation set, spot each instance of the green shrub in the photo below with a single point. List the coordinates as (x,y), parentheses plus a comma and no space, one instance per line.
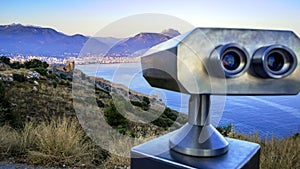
(63,76)
(166,119)
(136,103)
(16,65)
(5,60)
(226,130)
(170,114)
(19,77)
(52,76)
(145,104)
(54,83)
(113,117)
(146,100)
(121,129)
(163,122)
(100,103)
(35,63)
(41,71)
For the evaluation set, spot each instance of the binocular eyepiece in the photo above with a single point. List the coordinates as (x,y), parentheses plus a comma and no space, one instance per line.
(274,61)
(234,59)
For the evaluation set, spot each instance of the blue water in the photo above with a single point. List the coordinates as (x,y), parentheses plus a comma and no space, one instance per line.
(269,115)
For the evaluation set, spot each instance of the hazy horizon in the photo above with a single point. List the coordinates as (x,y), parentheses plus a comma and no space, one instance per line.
(88,17)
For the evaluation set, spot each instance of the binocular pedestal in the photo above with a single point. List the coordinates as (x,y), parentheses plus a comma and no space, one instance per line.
(196,145)
(198,137)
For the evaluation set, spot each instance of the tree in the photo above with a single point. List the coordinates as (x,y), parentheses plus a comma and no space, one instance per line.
(16,65)
(5,60)
(35,63)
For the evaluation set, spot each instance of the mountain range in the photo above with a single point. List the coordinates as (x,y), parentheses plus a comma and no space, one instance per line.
(17,39)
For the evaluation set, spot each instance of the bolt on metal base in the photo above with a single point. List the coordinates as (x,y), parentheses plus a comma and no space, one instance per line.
(198,137)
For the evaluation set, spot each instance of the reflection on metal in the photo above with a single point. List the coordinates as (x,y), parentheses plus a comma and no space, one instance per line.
(198,137)
(192,63)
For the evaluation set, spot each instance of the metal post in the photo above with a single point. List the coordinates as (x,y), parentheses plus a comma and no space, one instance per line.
(198,137)
(199,110)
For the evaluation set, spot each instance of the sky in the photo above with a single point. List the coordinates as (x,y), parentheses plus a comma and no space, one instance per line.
(87,17)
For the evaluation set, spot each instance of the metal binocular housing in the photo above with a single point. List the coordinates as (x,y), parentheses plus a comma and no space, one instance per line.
(221,61)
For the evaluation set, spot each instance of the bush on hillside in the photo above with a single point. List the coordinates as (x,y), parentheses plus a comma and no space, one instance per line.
(35,63)
(226,130)
(16,65)
(41,71)
(19,77)
(144,104)
(113,117)
(5,60)
(166,119)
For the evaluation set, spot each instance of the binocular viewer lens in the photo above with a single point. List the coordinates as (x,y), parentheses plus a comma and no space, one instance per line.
(231,61)
(234,59)
(275,61)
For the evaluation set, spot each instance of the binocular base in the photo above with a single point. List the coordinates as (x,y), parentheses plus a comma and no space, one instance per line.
(157,154)
(200,141)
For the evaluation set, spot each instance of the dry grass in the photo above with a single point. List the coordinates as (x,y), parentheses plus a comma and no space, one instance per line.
(27,138)
(61,142)
(120,151)
(281,153)
(9,141)
(277,153)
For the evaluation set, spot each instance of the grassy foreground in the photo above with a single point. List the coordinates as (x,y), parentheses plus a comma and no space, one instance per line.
(38,124)
(61,142)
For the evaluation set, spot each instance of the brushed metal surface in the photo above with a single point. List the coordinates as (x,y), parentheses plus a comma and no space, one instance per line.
(200,141)
(198,137)
(198,113)
(190,64)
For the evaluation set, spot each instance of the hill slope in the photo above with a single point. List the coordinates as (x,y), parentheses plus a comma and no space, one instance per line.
(30,40)
(137,45)
(17,39)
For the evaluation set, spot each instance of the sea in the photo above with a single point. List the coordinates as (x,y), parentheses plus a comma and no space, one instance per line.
(269,116)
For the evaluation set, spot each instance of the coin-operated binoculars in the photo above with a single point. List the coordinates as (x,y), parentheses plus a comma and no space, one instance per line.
(217,61)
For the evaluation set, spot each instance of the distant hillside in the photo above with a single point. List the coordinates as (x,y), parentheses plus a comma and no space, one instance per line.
(30,40)
(170,32)
(137,45)
(17,39)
